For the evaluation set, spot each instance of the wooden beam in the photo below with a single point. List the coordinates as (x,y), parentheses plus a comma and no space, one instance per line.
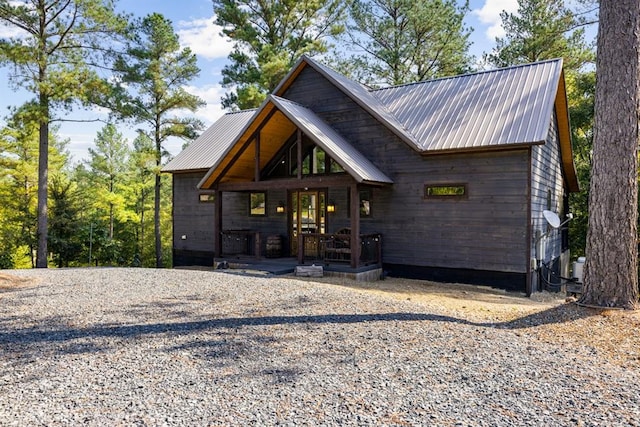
(232,161)
(320,181)
(257,158)
(299,145)
(217,226)
(355,225)
(243,148)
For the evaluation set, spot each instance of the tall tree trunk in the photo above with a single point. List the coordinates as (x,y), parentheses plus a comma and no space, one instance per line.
(157,223)
(141,242)
(611,270)
(157,197)
(43,181)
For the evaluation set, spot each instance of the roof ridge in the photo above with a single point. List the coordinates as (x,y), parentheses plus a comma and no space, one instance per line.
(287,100)
(493,70)
(229,113)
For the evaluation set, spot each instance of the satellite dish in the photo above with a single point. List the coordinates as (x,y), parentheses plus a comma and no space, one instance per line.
(552,218)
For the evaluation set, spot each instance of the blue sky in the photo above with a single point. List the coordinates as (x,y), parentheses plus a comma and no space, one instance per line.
(193,21)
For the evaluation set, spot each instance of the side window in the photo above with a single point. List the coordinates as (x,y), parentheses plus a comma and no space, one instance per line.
(257,204)
(445,191)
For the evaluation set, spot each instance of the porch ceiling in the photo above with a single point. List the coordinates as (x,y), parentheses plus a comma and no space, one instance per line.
(238,163)
(276,130)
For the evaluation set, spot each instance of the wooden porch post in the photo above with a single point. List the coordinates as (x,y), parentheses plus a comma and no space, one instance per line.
(299,147)
(300,236)
(257,158)
(355,226)
(217,226)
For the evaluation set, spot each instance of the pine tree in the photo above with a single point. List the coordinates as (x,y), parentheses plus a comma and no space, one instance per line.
(406,40)
(611,270)
(52,58)
(156,70)
(269,37)
(19,141)
(107,163)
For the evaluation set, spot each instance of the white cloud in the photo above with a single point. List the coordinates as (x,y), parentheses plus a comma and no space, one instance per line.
(204,39)
(211,94)
(489,14)
(7,32)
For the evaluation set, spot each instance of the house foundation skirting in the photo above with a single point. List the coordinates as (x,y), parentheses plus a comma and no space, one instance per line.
(498,279)
(185,258)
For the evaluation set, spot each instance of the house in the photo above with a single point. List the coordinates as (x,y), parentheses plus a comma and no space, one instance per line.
(445,179)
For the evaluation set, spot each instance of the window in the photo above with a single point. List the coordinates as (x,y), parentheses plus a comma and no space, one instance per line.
(365,203)
(257,204)
(445,191)
(206,198)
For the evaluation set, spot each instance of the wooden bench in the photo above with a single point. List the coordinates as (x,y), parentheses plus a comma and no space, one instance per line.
(338,246)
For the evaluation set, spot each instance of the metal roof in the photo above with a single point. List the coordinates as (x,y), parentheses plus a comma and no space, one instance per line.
(205,151)
(483,110)
(351,160)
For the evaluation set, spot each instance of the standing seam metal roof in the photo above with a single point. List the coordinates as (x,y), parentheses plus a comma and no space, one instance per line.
(205,151)
(482,110)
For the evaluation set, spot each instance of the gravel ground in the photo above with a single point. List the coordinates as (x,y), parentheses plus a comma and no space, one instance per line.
(178,347)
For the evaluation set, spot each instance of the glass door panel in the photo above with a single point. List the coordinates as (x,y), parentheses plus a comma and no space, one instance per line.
(308,216)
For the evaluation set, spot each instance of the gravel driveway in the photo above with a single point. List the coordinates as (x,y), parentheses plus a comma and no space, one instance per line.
(178,347)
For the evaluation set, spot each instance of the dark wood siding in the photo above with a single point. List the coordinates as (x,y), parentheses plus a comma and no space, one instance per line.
(190,217)
(235,215)
(487,230)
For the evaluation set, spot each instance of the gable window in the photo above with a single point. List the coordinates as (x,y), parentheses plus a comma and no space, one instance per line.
(257,204)
(315,161)
(432,191)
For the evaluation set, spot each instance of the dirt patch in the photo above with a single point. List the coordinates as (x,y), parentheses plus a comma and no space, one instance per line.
(9,282)
(549,317)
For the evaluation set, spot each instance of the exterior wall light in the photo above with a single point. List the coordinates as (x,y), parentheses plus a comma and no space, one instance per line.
(280,208)
(331,207)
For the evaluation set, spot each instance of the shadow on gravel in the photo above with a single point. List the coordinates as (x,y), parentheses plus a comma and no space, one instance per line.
(26,337)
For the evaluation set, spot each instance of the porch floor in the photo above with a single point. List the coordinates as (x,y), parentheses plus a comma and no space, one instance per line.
(287,265)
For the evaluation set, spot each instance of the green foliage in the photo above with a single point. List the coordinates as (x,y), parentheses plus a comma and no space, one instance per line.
(141,178)
(406,40)
(64,221)
(581,95)
(107,164)
(155,71)
(269,37)
(54,56)
(19,180)
(542,29)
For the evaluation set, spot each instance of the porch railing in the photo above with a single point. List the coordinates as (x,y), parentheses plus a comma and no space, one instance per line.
(325,248)
(240,242)
(330,248)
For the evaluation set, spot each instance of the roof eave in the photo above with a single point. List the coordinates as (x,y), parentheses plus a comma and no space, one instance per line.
(487,148)
(206,181)
(564,135)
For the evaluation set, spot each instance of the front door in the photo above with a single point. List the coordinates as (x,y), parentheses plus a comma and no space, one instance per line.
(308,217)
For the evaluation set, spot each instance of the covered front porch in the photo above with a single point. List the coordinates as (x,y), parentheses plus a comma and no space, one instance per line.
(291,187)
(318,248)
